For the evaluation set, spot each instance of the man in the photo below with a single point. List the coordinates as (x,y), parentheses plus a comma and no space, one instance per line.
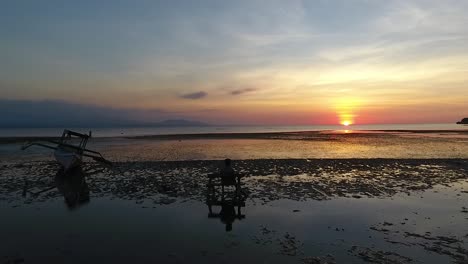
(227,174)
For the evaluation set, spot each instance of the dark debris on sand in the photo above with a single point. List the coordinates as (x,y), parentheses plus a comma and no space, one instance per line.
(451,246)
(264,180)
(328,259)
(167,182)
(377,256)
(287,243)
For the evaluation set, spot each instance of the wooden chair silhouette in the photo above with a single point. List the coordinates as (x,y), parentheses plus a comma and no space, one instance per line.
(226,177)
(220,180)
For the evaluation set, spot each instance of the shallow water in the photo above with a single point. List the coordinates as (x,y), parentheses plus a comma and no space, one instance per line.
(387,211)
(119,231)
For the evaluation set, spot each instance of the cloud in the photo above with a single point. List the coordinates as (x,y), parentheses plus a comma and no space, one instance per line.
(242,91)
(194,96)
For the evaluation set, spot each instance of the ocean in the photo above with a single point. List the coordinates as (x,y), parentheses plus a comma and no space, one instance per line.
(144,131)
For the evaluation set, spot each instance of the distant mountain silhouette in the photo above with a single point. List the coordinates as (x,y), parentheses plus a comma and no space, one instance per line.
(464,121)
(54,113)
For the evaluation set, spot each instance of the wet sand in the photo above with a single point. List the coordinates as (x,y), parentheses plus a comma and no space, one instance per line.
(296,207)
(293,145)
(303,211)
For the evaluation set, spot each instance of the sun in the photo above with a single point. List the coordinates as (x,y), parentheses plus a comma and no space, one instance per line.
(346,123)
(346,110)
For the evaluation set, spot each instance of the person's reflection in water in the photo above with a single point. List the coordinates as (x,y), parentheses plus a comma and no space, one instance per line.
(228,213)
(72,185)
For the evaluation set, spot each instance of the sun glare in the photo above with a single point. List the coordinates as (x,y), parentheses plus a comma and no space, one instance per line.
(346,108)
(346,123)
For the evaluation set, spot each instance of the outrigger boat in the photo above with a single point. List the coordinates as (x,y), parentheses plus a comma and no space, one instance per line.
(69,155)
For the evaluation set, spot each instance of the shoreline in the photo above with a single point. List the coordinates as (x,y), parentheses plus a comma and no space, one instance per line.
(253,135)
(240,146)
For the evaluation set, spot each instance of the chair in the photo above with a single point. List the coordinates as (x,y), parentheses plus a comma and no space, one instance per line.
(219,179)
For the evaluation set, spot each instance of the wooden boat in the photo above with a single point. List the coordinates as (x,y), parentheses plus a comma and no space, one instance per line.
(67,159)
(70,155)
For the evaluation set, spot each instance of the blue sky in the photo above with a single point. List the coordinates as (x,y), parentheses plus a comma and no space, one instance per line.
(303,62)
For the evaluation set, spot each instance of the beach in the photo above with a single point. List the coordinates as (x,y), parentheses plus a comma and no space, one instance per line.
(333,144)
(309,132)
(394,196)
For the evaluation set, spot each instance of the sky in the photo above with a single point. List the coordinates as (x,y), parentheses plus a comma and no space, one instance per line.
(239,62)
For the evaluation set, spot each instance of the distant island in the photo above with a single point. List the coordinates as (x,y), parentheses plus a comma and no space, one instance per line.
(464,121)
(61,114)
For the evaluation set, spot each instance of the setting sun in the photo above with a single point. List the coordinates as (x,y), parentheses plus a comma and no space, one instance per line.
(346,123)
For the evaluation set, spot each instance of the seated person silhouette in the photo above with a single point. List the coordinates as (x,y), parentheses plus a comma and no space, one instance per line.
(228,176)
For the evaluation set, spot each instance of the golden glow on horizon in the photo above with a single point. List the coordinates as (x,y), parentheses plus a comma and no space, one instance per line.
(345,110)
(398,62)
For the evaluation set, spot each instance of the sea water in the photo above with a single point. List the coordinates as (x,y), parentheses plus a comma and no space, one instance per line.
(144,131)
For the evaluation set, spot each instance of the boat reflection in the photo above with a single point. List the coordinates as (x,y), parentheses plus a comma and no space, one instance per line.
(227,207)
(72,185)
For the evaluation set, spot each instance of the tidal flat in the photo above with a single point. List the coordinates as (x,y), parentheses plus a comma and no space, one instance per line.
(294,207)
